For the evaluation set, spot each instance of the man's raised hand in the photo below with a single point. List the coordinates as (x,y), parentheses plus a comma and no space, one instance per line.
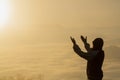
(76,48)
(84,39)
(73,40)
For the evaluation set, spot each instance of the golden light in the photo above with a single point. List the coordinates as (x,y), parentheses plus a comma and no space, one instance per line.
(4,12)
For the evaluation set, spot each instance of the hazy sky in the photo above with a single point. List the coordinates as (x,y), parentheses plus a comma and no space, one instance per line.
(39,21)
(70,13)
(34,36)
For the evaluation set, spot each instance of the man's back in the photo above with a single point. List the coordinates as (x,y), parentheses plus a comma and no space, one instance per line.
(94,67)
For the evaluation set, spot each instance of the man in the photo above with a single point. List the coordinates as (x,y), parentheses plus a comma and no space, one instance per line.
(94,57)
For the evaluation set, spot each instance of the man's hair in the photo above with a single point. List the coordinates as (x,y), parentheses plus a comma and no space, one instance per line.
(98,44)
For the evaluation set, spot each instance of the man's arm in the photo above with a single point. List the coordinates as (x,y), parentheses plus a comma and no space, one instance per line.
(88,56)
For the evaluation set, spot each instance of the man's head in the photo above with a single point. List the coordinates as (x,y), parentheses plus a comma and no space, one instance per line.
(98,44)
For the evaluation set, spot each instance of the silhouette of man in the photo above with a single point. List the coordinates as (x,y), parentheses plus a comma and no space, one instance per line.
(94,57)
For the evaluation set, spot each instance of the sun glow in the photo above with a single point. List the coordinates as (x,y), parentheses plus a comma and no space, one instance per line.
(4,12)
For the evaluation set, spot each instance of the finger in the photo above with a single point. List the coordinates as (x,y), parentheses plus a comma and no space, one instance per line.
(86,38)
(73,40)
(82,38)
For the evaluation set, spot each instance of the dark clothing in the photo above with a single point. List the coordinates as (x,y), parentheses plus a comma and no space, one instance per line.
(94,67)
(95,60)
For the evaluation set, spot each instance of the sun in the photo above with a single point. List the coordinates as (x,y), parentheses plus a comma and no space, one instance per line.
(4,12)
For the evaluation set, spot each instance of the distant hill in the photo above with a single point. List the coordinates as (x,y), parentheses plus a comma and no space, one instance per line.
(112,52)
